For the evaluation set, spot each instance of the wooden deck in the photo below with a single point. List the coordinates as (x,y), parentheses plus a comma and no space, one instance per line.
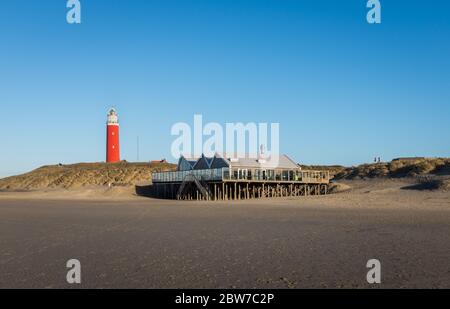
(225,187)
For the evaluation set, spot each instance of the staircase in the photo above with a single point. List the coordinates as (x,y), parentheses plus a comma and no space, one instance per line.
(201,186)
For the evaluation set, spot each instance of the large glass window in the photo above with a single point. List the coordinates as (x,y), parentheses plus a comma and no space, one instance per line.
(226,173)
(278,175)
(264,174)
(270,175)
(257,174)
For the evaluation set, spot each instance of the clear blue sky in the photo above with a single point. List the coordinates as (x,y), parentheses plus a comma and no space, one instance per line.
(342,90)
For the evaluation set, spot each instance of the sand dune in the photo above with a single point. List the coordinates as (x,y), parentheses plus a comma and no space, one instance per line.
(124,174)
(397,168)
(400,177)
(84,175)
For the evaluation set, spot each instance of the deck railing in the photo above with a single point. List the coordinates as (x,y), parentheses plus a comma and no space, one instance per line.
(179,176)
(235,174)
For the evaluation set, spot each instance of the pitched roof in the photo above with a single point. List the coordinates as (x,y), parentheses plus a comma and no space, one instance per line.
(190,162)
(282,161)
(202,163)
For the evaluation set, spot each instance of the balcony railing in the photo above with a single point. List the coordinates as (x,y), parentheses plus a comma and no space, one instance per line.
(234,174)
(179,176)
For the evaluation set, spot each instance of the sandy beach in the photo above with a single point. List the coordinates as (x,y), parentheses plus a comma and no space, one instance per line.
(128,241)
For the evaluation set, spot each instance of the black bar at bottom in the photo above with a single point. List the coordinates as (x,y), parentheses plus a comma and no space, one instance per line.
(224,298)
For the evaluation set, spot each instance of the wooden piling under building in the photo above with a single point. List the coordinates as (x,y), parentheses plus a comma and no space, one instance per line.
(235,190)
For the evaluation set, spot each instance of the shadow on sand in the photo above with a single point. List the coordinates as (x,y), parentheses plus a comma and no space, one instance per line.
(429,184)
(145,190)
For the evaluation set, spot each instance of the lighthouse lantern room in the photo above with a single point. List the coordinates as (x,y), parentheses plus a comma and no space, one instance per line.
(112,137)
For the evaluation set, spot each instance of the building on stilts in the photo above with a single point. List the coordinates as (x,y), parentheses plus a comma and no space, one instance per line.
(219,178)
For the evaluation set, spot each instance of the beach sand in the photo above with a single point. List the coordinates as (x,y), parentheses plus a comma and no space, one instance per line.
(127,241)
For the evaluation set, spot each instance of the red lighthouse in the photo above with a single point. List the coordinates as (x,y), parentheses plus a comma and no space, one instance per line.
(112,137)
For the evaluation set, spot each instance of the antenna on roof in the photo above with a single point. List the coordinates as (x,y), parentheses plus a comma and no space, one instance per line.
(261,158)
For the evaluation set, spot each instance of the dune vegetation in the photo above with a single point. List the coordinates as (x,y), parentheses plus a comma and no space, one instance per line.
(84,174)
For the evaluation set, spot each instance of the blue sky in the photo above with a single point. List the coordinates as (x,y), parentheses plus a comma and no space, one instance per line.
(342,90)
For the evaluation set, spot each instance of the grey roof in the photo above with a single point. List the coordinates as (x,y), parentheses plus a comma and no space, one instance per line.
(282,161)
(191,161)
(188,166)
